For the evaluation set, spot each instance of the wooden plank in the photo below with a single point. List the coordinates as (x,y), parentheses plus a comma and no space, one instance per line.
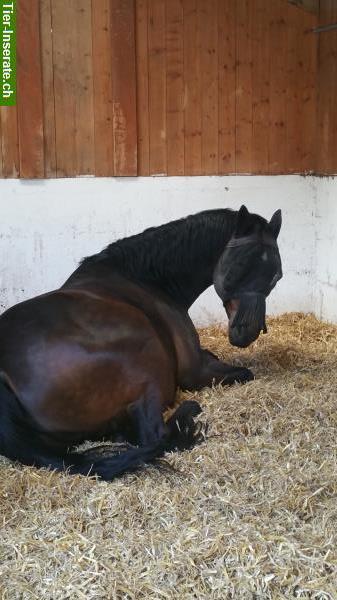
(294,95)
(48,88)
(29,80)
(124,87)
(175,87)
(261,87)
(227,68)
(279,89)
(192,78)
(244,87)
(84,132)
(142,68)
(157,88)
(308,5)
(208,26)
(332,148)
(307,56)
(102,78)
(65,85)
(10,141)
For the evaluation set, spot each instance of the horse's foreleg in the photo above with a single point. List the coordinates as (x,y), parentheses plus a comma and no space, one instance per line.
(179,432)
(210,370)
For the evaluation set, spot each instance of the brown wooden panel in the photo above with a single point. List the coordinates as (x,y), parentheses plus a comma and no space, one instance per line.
(142,67)
(124,87)
(10,141)
(29,81)
(294,99)
(326,159)
(102,78)
(175,87)
(227,68)
(65,85)
(261,87)
(307,56)
(192,77)
(279,88)
(157,88)
(84,132)
(208,27)
(48,88)
(244,114)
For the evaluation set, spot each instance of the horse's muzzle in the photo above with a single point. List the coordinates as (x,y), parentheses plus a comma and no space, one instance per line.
(247,318)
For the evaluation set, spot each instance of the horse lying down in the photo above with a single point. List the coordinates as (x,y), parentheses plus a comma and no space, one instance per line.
(102,357)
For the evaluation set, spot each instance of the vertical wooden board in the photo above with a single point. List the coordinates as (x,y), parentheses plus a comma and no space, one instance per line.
(65,85)
(208,27)
(192,78)
(10,141)
(29,81)
(294,96)
(175,87)
(279,88)
(48,88)
(102,83)
(226,66)
(261,87)
(84,132)
(307,56)
(124,87)
(142,68)
(325,90)
(244,114)
(157,88)
(332,152)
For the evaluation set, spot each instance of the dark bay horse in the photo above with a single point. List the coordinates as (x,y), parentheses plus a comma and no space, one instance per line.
(102,357)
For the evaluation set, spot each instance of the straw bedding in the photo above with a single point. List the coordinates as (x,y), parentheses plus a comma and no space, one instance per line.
(249,514)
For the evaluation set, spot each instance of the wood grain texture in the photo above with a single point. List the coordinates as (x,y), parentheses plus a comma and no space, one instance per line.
(142,67)
(175,87)
(244,87)
(326,146)
(124,87)
(280,88)
(29,99)
(157,87)
(48,88)
(65,86)
(261,86)
(84,102)
(102,83)
(227,76)
(192,79)
(10,141)
(208,27)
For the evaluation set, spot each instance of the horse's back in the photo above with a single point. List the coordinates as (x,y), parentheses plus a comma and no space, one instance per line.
(77,359)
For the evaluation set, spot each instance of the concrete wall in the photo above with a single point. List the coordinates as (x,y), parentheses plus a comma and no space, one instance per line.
(47,226)
(325,280)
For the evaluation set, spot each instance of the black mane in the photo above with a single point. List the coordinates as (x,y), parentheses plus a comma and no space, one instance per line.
(178,258)
(167,244)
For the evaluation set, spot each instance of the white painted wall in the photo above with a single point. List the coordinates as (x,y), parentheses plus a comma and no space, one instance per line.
(326,249)
(47,226)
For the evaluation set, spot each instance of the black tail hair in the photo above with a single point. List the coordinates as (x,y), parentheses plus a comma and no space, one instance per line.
(21,441)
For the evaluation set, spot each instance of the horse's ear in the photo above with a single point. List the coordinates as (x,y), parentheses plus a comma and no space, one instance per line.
(242,221)
(275,223)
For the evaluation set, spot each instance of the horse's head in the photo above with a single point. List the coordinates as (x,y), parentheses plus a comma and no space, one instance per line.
(246,272)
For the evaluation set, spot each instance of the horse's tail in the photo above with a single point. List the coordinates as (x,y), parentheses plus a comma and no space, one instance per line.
(21,441)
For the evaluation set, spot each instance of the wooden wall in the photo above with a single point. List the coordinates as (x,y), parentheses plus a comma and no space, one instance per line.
(327,91)
(171,87)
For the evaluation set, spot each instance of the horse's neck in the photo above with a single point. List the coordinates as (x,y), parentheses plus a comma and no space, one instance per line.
(184,267)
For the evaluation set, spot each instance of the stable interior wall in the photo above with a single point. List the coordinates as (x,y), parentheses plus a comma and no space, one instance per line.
(326,248)
(47,226)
